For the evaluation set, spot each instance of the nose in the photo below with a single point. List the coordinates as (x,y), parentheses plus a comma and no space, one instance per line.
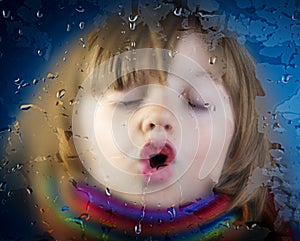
(157,117)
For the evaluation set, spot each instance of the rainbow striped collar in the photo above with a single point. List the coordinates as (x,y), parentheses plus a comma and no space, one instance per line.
(96,214)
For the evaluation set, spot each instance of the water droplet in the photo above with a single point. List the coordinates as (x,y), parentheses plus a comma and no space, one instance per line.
(286,78)
(107,192)
(72,102)
(82,42)
(52,76)
(172,212)
(296,15)
(60,94)
(177,12)
(32,223)
(39,52)
(10,193)
(20,32)
(132,26)
(80,9)
(172,53)
(237,226)
(5,162)
(68,27)
(6,13)
(157,7)
(84,216)
(81,25)
(77,221)
(225,224)
(29,190)
(274,116)
(3,201)
(276,125)
(25,107)
(212,59)
(65,208)
(64,59)
(19,166)
(39,14)
(25,84)
(138,228)
(212,108)
(35,81)
(2,186)
(251,225)
(133,19)
(206,105)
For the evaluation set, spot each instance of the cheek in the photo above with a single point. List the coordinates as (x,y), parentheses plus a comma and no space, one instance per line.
(205,139)
(133,130)
(230,128)
(103,129)
(204,128)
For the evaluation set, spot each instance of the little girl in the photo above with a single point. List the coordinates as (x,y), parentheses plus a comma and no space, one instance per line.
(150,136)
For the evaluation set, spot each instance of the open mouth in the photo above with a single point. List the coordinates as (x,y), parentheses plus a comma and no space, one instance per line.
(156,160)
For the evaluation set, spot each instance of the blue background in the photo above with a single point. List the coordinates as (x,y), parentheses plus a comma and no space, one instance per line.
(30,41)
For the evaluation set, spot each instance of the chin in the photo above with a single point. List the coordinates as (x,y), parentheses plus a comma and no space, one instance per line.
(177,194)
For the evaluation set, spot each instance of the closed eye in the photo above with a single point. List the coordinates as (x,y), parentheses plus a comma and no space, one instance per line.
(130,103)
(197,106)
(195,103)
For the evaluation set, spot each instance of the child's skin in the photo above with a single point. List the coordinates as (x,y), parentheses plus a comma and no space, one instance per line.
(190,120)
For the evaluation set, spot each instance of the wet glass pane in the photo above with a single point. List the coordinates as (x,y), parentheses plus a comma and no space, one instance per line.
(149,120)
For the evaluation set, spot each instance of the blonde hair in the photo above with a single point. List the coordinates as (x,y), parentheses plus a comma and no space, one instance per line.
(249,148)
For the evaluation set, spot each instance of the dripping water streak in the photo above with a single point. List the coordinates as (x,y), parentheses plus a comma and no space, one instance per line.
(138,227)
(79,189)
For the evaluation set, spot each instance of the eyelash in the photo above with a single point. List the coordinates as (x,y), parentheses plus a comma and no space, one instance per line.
(197,106)
(192,104)
(130,103)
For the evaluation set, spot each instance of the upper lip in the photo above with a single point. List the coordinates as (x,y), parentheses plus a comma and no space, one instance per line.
(153,148)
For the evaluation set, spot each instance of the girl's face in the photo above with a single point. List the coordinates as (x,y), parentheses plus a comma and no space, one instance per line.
(163,144)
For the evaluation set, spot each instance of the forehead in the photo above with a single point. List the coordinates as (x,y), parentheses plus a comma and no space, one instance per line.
(201,49)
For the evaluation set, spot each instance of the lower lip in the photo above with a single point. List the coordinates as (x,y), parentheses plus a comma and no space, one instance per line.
(162,174)
(158,175)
